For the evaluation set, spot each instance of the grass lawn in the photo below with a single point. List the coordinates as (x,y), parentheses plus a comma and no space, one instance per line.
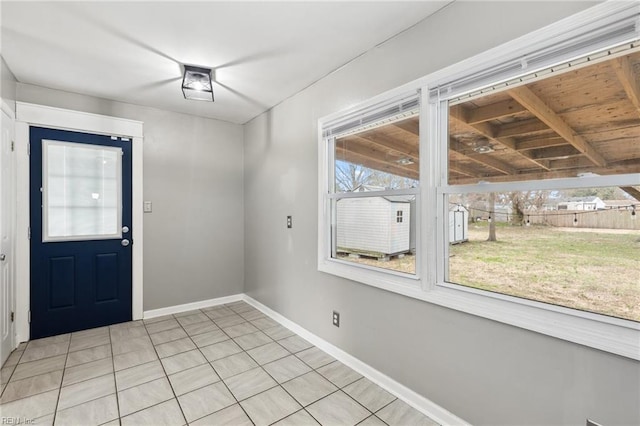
(595,270)
(592,270)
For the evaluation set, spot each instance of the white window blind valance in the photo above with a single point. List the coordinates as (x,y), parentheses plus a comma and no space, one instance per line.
(603,36)
(399,108)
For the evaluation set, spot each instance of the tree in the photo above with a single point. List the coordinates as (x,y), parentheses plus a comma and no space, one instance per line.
(389,181)
(492,217)
(350,176)
(607,193)
(521,201)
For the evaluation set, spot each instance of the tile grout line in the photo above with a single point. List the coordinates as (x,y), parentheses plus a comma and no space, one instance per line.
(198,348)
(278,384)
(221,379)
(339,388)
(15,367)
(258,365)
(115,381)
(64,368)
(214,369)
(166,376)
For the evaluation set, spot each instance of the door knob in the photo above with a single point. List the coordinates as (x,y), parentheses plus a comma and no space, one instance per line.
(2,257)
(124,242)
(125,229)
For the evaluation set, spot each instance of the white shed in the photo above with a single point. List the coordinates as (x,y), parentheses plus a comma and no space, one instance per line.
(458,224)
(375,226)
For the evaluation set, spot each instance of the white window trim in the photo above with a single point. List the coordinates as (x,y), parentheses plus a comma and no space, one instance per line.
(56,118)
(613,335)
(386,279)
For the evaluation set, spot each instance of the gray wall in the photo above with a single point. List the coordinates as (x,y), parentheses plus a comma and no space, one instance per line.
(485,372)
(7,85)
(193,240)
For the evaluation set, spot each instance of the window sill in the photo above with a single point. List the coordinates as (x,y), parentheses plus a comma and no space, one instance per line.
(396,282)
(609,334)
(613,335)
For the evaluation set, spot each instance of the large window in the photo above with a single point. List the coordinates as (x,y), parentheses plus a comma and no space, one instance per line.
(520,202)
(566,242)
(373,177)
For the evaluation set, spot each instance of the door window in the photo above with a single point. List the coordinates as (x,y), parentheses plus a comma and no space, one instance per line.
(82,191)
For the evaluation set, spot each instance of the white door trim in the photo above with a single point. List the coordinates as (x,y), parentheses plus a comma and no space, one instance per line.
(56,118)
(8,187)
(6,108)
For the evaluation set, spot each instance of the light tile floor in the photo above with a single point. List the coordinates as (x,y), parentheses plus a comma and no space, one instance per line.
(224,365)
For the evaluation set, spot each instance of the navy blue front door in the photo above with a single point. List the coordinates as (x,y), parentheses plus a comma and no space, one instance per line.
(80,197)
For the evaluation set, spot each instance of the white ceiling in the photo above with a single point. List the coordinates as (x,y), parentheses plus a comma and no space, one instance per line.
(262,52)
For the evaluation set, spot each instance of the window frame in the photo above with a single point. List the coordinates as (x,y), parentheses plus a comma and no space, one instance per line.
(387,279)
(46,237)
(609,334)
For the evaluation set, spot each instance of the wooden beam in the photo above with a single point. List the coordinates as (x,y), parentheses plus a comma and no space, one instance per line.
(540,143)
(571,163)
(484,159)
(540,109)
(631,191)
(611,170)
(399,145)
(555,153)
(458,114)
(519,128)
(466,172)
(484,129)
(374,151)
(494,111)
(376,164)
(412,126)
(626,76)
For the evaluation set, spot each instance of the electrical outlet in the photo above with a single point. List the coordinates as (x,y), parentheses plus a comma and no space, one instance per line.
(336,319)
(289,223)
(147,207)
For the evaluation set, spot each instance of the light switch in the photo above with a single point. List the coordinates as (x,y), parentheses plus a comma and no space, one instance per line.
(148,208)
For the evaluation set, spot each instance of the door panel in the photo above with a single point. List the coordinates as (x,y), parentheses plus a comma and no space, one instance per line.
(80,193)
(106,275)
(62,282)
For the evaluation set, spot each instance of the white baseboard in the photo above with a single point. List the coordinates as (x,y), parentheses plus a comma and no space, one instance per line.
(417,401)
(153,313)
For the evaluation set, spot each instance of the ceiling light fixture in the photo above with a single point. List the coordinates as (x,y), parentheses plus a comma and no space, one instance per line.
(196,83)
(405,161)
(482,147)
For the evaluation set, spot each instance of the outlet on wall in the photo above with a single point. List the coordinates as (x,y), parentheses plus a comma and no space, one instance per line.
(336,319)
(289,222)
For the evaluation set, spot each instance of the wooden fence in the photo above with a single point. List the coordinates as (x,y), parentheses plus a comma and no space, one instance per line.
(602,219)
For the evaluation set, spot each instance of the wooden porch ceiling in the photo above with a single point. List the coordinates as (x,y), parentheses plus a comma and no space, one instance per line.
(582,121)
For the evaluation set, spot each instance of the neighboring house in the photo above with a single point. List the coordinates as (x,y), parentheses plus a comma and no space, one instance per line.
(503,213)
(367,188)
(581,203)
(621,204)
(374,226)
